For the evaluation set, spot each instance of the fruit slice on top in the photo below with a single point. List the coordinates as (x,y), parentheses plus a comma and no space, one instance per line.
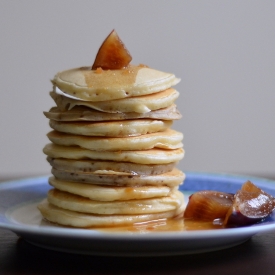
(112,55)
(250,205)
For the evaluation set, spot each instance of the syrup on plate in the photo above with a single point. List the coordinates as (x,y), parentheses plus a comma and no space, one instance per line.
(178,224)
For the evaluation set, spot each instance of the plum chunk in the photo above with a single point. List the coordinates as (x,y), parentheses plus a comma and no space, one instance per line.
(112,54)
(208,205)
(250,205)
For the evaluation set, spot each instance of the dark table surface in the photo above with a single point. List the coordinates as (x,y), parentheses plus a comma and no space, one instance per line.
(256,256)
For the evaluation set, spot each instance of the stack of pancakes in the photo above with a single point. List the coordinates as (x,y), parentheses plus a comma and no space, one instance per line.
(112,151)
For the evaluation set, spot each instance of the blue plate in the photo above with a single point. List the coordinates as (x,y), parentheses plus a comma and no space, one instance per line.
(18,213)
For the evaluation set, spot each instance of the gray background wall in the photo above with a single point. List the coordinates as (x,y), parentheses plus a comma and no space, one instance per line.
(224,52)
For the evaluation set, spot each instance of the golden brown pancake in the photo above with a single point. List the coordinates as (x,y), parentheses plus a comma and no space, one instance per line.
(81,204)
(139,104)
(110,167)
(82,113)
(172,178)
(86,84)
(111,193)
(151,156)
(76,219)
(169,139)
(112,129)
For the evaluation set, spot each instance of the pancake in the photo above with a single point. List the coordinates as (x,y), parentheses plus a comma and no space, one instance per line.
(112,129)
(152,156)
(82,113)
(169,139)
(81,204)
(139,104)
(171,178)
(110,167)
(86,84)
(110,193)
(76,219)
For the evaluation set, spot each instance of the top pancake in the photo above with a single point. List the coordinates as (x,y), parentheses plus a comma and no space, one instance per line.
(86,84)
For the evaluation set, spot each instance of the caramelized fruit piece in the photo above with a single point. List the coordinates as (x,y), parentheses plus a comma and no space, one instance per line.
(208,205)
(250,187)
(112,55)
(250,205)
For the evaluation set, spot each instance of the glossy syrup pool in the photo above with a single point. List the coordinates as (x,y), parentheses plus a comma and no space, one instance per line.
(178,224)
